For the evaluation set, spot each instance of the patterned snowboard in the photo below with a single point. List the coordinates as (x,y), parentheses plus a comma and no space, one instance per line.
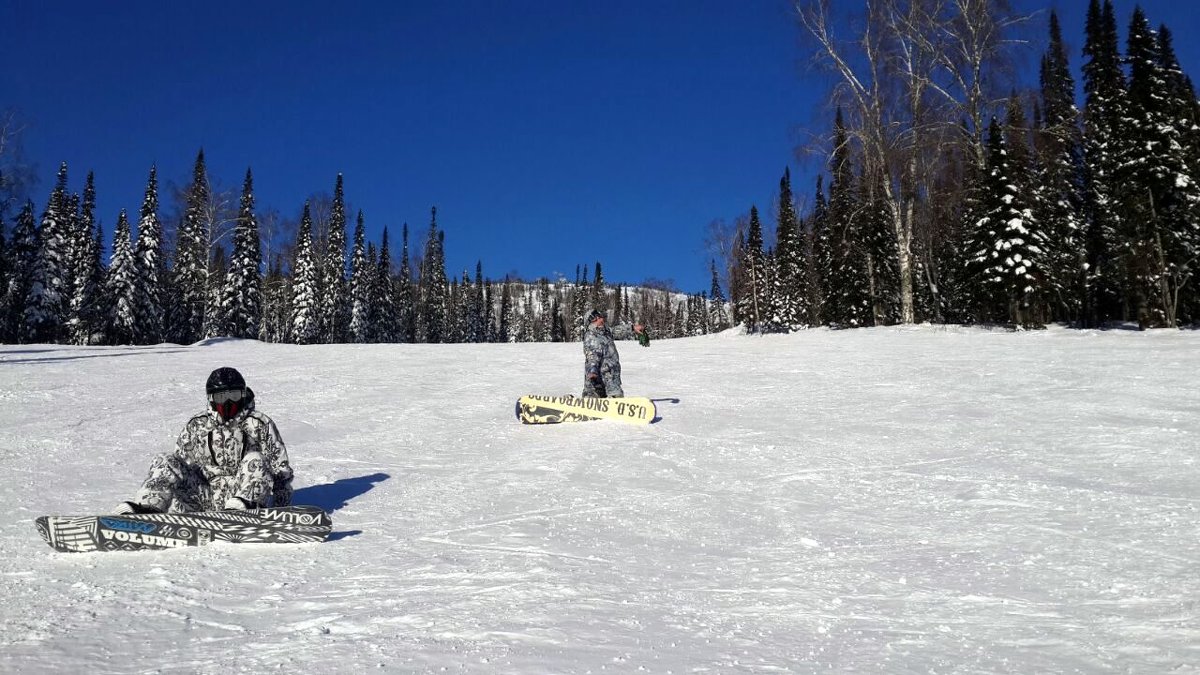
(555,409)
(141,531)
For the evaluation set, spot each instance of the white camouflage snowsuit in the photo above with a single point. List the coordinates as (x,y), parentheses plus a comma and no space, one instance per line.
(600,356)
(215,460)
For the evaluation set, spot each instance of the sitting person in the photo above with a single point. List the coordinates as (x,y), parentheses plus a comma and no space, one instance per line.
(227,457)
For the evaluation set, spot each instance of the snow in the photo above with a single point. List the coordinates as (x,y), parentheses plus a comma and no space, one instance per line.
(894,500)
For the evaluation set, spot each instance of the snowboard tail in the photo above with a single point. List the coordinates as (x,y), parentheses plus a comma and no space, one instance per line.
(142,531)
(556,409)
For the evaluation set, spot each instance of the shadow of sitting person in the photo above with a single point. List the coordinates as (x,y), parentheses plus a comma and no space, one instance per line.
(335,495)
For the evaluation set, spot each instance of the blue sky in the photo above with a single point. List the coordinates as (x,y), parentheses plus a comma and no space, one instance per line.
(547,133)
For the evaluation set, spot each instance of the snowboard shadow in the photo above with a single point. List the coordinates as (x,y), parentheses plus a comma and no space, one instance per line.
(335,495)
(656,401)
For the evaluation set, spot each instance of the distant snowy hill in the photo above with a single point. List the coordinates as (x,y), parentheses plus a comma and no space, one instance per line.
(892,500)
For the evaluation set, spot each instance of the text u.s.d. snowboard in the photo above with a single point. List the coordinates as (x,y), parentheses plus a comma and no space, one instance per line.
(140,531)
(555,409)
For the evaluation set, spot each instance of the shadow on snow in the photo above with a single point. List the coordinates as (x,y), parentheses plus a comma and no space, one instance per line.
(335,495)
(656,401)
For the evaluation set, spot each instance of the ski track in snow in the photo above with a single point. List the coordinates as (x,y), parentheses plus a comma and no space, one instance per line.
(920,499)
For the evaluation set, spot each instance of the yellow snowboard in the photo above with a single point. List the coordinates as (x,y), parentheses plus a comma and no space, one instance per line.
(555,409)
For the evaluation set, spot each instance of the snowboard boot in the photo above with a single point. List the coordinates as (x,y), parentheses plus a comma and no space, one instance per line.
(126,508)
(238,504)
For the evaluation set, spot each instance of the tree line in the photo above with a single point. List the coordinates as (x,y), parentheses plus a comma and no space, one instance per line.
(322,288)
(947,203)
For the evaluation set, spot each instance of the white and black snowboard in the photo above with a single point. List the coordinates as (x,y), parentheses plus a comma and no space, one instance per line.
(141,531)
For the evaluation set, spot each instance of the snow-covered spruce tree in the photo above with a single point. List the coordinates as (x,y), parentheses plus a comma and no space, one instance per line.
(1104,140)
(718,317)
(373,293)
(545,320)
(387,325)
(770,284)
(692,322)
(406,297)
(360,310)
(243,284)
(190,268)
(46,303)
(597,298)
(1006,248)
(151,267)
(1159,198)
(1183,108)
(335,303)
(577,307)
(437,290)
(1058,190)
(489,312)
(86,314)
(791,293)
(22,255)
(505,332)
(304,284)
(460,294)
(476,329)
(1033,309)
(524,316)
(558,328)
(619,310)
(74,246)
(122,286)
(434,286)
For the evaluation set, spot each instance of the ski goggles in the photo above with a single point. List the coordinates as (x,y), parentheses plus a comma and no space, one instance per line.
(231,396)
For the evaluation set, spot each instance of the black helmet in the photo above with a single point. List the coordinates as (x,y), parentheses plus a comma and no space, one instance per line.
(596,314)
(224,379)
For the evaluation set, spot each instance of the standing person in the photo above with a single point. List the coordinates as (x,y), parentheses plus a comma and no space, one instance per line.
(601,362)
(227,457)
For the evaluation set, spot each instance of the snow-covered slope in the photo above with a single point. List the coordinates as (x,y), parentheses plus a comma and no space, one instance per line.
(903,500)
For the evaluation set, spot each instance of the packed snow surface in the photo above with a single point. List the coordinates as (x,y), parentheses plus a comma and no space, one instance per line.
(897,500)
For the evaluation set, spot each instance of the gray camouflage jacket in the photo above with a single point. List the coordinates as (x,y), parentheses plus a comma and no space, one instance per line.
(215,447)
